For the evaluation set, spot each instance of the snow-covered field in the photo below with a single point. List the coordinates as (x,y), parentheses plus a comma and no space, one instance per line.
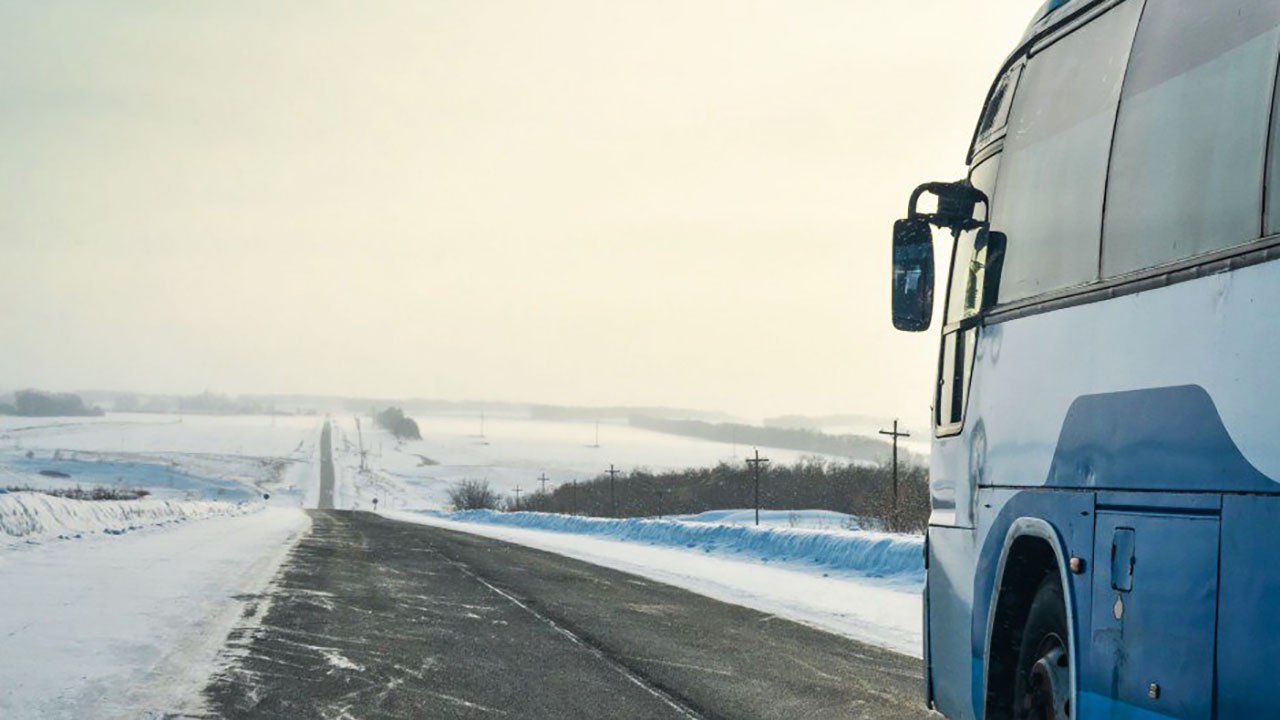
(513,451)
(130,626)
(119,608)
(193,457)
(863,585)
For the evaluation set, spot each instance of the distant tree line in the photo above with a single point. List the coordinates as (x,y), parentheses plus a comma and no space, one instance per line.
(859,490)
(804,440)
(37,403)
(394,421)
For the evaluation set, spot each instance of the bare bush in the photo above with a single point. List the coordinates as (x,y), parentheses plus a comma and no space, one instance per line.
(473,495)
(93,493)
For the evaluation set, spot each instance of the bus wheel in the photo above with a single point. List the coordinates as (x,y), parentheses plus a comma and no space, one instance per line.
(1042,687)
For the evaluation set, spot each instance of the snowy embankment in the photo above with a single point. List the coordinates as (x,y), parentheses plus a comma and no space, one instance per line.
(874,555)
(32,516)
(132,626)
(863,585)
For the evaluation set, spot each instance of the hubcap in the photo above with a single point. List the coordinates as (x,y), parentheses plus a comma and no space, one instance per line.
(1048,695)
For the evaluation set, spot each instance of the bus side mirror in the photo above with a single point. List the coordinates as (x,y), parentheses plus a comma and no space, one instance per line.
(912,275)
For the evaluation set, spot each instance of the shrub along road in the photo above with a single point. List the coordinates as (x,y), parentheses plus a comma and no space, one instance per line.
(376,618)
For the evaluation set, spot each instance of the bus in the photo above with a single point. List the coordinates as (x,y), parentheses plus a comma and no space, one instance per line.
(1105,468)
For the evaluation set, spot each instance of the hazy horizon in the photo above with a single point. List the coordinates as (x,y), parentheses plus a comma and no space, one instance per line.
(569,202)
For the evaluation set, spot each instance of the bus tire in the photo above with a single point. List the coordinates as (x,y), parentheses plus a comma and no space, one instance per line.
(1042,685)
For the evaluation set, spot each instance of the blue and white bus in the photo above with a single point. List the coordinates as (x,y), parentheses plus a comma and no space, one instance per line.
(1105,475)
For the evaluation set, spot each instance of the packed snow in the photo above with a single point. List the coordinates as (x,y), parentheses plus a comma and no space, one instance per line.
(813,519)
(869,554)
(131,626)
(866,586)
(28,517)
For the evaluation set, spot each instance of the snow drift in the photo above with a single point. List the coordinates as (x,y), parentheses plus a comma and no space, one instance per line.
(871,554)
(33,516)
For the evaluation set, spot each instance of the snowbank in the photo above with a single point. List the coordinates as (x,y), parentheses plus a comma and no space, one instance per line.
(878,555)
(32,516)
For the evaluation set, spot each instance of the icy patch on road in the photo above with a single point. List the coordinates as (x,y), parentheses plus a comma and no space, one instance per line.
(27,517)
(872,554)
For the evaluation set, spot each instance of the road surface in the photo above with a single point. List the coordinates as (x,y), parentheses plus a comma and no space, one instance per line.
(377,618)
(326,468)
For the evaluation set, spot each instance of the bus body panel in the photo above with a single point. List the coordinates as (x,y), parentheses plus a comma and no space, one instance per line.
(1248,603)
(1075,404)
(949,604)
(1158,390)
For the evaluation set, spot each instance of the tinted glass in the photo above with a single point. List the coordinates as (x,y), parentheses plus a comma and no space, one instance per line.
(996,115)
(1049,196)
(965,289)
(953,372)
(1191,139)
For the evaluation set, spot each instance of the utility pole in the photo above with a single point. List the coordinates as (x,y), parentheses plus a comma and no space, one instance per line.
(360,434)
(517,498)
(893,519)
(755,463)
(613,496)
(543,479)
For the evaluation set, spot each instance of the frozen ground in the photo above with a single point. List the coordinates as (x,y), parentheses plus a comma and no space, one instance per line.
(512,451)
(829,581)
(128,626)
(193,457)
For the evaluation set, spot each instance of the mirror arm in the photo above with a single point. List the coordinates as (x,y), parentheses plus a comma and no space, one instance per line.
(956,202)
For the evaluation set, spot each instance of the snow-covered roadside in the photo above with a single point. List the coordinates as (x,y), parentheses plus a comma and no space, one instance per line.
(27,517)
(885,612)
(870,554)
(130,626)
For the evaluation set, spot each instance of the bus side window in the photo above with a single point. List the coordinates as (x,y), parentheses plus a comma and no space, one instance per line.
(1191,137)
(953,385)
(995,117)
(1054,170)
(964,299)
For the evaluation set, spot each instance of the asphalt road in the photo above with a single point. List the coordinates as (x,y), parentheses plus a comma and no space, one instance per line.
(373,618)
(325,501)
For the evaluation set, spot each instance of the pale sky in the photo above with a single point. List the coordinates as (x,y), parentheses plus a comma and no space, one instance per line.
(681,202)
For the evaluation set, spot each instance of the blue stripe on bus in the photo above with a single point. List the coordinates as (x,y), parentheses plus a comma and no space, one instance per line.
(1169,438)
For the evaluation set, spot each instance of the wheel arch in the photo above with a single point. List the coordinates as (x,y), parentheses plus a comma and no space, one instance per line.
(1032,548)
